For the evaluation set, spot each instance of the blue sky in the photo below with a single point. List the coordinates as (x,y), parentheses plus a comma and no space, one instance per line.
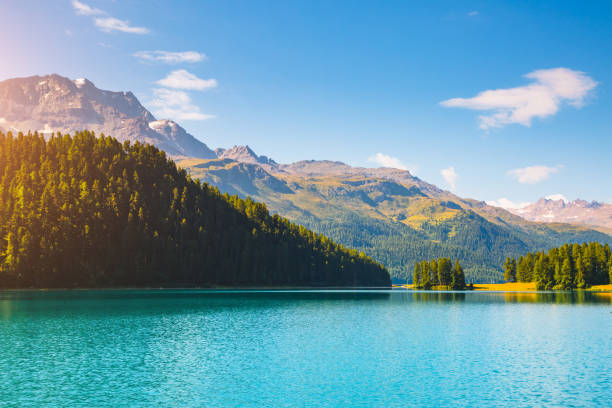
(360,82)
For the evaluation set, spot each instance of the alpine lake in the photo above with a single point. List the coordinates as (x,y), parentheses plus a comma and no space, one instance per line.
(336,348)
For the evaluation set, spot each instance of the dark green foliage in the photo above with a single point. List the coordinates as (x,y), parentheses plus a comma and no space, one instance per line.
(458,277)
(444,271)
(481,245)
(568,267)
(440,272)
(510,270)
(83,211)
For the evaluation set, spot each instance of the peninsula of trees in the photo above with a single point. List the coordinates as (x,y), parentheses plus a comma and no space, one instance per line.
(568,267)
(440,273)
(82,211)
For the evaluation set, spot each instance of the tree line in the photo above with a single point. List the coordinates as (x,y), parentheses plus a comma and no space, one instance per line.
(480,245)
(438,272)
(570,266)
(87,211)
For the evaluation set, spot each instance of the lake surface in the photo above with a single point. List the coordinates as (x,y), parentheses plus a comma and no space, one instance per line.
(319,349)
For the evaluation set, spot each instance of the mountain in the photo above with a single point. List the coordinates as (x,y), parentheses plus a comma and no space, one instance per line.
(83,211)
(244,154)
(53,103)
(582,212)
(389,214)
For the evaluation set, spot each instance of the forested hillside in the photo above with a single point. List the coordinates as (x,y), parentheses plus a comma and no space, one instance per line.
(392,216)
(81,211)
(567,267)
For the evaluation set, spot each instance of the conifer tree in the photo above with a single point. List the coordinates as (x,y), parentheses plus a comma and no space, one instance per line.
(444,271)
(90,211)
(567,279)
(510,270)
(416,279)
(458,282)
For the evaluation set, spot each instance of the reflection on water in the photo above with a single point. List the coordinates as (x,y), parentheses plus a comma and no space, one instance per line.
(578,297)
(224,296)
(389,348)
(151,302)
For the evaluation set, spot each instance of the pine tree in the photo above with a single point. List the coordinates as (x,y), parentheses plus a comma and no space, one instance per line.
(416,279)
(426,282)
(579,280)
(567,280)
(540,275)
(86,211)
(510,270)
(458,282)
(444,271)
(557,276)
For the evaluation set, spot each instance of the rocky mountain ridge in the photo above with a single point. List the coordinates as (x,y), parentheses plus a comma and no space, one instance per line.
(572,212)
(53,103)
(388,213)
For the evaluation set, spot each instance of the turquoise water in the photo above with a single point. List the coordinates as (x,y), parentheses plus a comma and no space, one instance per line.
(318,349)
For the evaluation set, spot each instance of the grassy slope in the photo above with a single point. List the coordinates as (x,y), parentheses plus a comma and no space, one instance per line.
(396,223)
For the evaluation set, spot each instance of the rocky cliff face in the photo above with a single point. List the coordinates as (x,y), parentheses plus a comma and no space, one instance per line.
(245,154)
(571,212)
(53,103)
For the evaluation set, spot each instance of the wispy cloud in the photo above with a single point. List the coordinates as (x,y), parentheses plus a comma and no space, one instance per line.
(473,13)
(533,174)
(110,24)
(169,57)
(550,89)
(384,160)
(508,204)
(107,23)
(182,79)
(176,105)
(450,175)
(85,10)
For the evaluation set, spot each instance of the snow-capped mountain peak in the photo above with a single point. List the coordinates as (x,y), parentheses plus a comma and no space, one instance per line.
(53,103)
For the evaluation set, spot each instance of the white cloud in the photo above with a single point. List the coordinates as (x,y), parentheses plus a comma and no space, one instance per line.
(508,204)
(387,161)
(533,174)
(450,176)
(182,79)
(473,13)
(169,57)
(109,24)
(85,10)
(550,89)
(557,197)
(176,105)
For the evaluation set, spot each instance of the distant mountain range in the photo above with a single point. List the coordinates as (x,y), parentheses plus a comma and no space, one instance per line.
(388,213)
(592,213)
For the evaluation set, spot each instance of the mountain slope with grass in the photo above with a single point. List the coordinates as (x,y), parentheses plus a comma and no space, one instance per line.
(81,211)
(389,214)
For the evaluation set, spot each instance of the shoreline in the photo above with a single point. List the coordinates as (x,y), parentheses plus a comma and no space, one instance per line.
(516,287)
(478,287)
(199,288)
